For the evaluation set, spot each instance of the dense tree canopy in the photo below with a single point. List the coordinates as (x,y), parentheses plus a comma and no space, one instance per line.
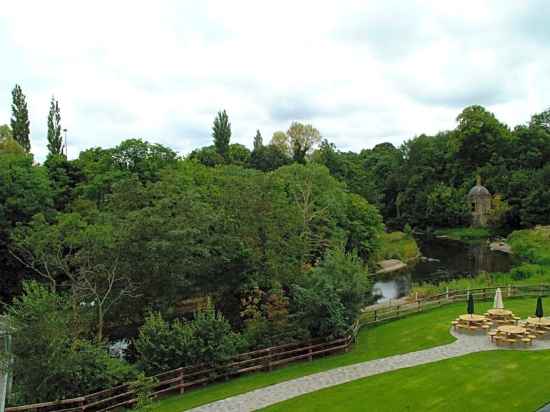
(279,239)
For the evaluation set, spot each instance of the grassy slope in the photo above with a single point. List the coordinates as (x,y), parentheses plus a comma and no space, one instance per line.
(465,233)
(416,332)
(397,245)
(502,381)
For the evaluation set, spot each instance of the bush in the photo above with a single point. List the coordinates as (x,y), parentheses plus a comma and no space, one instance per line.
(208,338)
(267,320)
(163,346)
(525,271)
(52,360)
(331,296)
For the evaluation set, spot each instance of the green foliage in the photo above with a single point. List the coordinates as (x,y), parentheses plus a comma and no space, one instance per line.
(258,141)
(20,118)
(163,346)
(330,296)
(238,155)
(53,359)
(207,339)
(526,271)
(532,245)
(5,132)
(302,139)
(269,158)
(398,245)
(143,388)
(55,141)
(221,132)
(465,234)
(267,320)
(8,145)
(447,206)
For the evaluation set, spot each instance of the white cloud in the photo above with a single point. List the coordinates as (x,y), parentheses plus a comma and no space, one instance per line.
(362,72)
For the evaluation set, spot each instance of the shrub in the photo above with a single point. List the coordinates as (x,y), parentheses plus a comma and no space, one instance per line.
(332,294)
(163,346)
(208,338)
(52,360)
(525,271)
(267,320)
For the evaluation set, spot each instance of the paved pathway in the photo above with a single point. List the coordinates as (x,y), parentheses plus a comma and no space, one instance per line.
(260,398)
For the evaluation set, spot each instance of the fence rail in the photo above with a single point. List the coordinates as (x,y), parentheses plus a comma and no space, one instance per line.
(381,314)
(181,379)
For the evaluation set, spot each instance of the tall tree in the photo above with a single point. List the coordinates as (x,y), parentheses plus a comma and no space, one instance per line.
(20,118)
(55,141)
(303,138)
(221,132)
(258,141)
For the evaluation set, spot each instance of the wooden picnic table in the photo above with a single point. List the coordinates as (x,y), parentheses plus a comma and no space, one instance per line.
(500,313)
(472,318)
(512,330)
(538,322)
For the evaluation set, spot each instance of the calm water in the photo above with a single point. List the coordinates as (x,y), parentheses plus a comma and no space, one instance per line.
(444,259)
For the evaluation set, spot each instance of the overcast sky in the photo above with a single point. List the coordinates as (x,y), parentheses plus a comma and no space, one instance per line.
(362,72)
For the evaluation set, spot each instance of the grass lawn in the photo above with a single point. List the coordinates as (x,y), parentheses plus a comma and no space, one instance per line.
(502,381)
(465,234)
(416,332)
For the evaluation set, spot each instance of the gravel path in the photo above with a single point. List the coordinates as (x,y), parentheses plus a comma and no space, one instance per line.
(260,398)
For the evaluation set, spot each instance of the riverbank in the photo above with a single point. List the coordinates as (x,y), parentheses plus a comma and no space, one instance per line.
(532,246)
(464,234)
(398,245)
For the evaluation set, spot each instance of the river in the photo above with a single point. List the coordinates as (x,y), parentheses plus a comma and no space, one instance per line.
(443,259)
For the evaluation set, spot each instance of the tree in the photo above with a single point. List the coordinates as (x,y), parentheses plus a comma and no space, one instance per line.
(24,192)
(20,118)
(330,297)
(281,141)
(303,138)
(221,132)
(481,138)
(53,357)
(258,141)
(8,145)
(55,141)
(269,158)
(84,255)
(5,132)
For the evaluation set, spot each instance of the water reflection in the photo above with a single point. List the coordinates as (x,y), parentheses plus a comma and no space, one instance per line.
(443,259)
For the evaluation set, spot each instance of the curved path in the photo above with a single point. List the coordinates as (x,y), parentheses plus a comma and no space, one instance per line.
(260,398)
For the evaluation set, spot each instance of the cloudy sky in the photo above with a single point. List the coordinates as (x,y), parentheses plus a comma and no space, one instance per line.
(362,72)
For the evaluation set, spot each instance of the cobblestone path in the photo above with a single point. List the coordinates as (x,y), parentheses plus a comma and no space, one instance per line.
(260,398)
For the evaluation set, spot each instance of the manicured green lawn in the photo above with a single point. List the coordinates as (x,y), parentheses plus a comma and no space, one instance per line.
(501,381)
(416,332)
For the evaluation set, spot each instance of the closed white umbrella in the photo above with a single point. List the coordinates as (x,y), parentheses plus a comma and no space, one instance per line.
(498,300)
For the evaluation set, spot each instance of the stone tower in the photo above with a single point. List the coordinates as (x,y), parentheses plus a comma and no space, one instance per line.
(479,199)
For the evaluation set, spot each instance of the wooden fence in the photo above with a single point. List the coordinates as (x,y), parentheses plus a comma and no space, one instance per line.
(181,379)
(384,313)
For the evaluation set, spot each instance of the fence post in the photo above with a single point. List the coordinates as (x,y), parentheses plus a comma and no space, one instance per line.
(375,315)
(269,367)
(310,357)
(181,382)
(447,292)
(509,290)
(82,404)
(397,310)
